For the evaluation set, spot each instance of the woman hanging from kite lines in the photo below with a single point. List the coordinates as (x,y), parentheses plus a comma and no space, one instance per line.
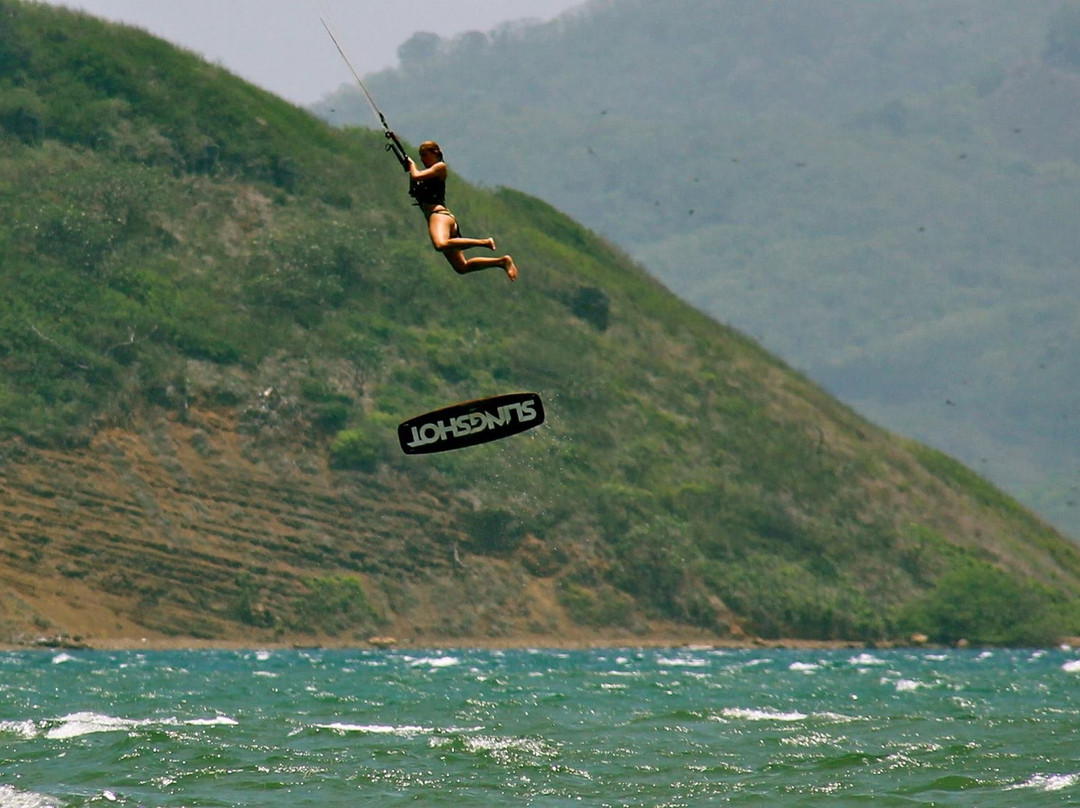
(427,186)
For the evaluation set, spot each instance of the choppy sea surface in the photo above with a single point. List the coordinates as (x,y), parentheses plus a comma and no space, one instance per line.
(619,727)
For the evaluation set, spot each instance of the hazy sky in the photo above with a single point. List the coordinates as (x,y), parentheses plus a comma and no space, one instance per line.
(282,46)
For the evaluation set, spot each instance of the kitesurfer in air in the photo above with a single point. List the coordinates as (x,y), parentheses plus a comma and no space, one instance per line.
(427,186)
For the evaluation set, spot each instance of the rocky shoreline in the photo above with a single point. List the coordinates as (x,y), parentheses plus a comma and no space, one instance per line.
(64,642)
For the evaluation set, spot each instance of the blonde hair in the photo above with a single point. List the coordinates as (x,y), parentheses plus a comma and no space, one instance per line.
(430,146)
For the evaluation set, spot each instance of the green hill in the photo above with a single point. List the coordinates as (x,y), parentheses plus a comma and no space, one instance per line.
(216,309)
(882,193)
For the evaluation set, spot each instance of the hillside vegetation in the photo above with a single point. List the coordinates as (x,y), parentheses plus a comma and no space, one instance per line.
(216,309)
(882,192)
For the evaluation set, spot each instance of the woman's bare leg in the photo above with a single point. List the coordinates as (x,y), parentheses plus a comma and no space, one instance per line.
(463,265)
(445,237)
(443,229)
(459,243)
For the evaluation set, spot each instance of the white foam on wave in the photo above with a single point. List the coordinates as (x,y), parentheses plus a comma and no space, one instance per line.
(1072,666)
(376,729)
(24,729)
(505,750)
(76,725)
(218,721)
(61,658)
(13,798)
(436,662)
(738,666)
(866,659)
(839,718)
(803,667)
(1049,782)
(750,714)
(683,661)
(908,685)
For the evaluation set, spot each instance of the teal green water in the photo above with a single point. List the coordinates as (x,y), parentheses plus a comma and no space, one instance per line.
(619,727)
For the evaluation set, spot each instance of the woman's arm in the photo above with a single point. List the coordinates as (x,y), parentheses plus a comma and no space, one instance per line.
(438,170)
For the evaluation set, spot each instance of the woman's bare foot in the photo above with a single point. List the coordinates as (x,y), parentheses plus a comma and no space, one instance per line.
(490,244)
(510,267)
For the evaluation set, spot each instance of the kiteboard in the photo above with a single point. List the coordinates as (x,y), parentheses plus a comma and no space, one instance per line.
(470,423)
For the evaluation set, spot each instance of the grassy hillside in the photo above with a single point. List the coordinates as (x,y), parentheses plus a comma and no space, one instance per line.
(216,309)
(881,192)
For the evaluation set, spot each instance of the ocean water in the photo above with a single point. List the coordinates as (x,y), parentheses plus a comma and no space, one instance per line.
(618,727)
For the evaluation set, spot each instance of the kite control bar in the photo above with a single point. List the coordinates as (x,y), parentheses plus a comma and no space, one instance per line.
(395,147)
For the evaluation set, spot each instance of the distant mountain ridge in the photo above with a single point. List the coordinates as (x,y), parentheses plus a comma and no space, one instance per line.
(216,309)
(882,193)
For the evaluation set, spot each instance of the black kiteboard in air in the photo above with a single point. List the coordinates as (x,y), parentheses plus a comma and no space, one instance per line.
(470,423)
